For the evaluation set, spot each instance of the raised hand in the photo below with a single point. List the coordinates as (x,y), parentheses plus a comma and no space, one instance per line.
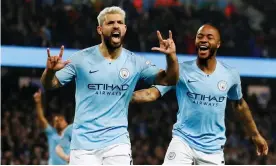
(37,96)
(166,46)
(56,63)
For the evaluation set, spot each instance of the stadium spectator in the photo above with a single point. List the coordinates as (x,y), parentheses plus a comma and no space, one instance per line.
(52,23)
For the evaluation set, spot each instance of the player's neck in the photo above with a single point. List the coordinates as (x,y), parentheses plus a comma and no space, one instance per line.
(60,132)
(208,66)
(108,53)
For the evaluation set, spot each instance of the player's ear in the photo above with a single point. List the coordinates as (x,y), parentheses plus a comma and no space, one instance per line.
(125,28)
(99,30)
(218,44)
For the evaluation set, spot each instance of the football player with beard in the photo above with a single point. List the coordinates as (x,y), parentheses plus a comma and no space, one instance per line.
(202,90)
(105,76)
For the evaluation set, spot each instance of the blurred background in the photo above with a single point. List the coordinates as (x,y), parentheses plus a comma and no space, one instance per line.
(247,30)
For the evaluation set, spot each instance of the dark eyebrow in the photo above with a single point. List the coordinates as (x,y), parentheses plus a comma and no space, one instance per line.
(209,35)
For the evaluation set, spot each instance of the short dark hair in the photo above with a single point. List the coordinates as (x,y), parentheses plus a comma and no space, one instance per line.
(214,26)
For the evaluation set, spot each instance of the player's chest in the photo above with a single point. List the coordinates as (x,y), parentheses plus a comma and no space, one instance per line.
(55,139)
(105,72)
(207,85)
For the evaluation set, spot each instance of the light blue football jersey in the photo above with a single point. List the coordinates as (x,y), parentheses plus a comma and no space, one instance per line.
(202,101)
(53,141)
(66,139)
(103,91)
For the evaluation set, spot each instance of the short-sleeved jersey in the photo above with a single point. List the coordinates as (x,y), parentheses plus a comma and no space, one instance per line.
(202,101)
(66,139)
(103,92)
(53,141)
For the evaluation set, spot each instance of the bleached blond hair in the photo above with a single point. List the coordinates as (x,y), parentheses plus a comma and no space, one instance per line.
(110,10)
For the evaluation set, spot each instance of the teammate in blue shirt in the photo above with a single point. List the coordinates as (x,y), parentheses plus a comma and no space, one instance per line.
(105,76)
(53,133)
(63,148)
(202,90)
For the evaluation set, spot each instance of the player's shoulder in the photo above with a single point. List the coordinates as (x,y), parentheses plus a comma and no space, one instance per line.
(134,57)
(69,128)
(187,64)
(232,70)
(86,51)
(131,55)
(80,55)
(128,52)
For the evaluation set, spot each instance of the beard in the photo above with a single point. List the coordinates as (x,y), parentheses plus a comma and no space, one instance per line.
(109,44)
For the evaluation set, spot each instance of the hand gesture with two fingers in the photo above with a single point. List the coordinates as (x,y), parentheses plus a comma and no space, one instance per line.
(166,46)
(56,63)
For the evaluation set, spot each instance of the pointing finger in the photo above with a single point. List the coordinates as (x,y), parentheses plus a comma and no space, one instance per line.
(159,36)
(48,52)
(61,51)
(170,34)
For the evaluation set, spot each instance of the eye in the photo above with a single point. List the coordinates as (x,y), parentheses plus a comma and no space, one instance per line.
(199,36)
(210,37)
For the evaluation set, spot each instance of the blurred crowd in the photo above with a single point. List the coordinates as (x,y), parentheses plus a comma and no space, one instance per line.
(150,126)
(247,27)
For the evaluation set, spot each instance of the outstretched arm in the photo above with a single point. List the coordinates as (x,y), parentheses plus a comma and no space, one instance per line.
(171,75)
(242,111)
(39,110)
(145,95)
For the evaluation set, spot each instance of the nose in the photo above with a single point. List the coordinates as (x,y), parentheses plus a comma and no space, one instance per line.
(204,39)
(115,25)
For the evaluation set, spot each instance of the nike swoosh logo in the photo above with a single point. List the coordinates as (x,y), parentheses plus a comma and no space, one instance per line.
(93,71)
(190,81)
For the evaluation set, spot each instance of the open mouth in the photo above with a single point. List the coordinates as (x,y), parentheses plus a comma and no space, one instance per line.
(203,48)
(116,35)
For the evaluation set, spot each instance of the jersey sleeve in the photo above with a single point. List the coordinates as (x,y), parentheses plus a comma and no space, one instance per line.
(66,74)
(163,89)
(235,92)
(49,130)
(66,138)
(148,70)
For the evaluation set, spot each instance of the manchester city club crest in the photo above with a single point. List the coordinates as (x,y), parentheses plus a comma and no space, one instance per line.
(222,85)
(171,155)
(124,73)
